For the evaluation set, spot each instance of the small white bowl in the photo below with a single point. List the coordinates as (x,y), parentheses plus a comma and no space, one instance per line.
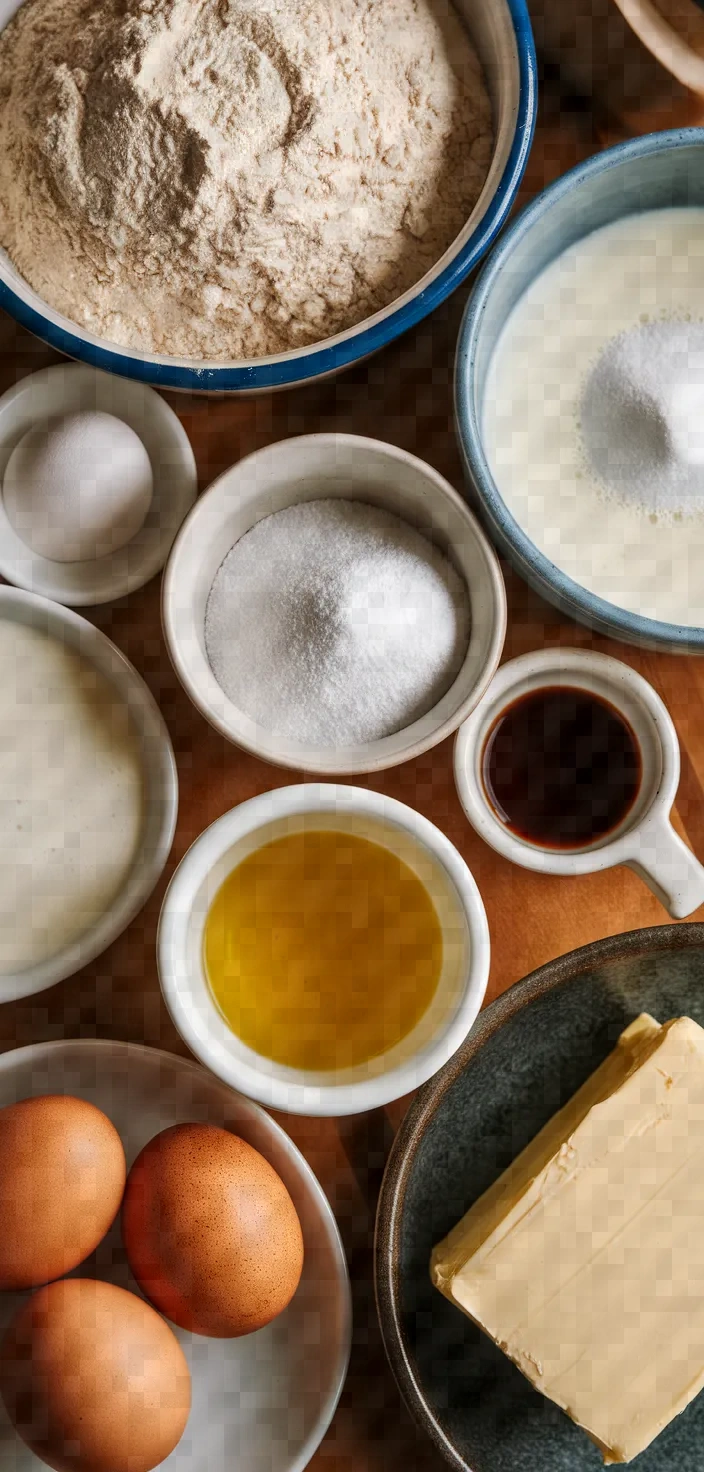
(71,388)
(160,787)
(419,844)
(307,469)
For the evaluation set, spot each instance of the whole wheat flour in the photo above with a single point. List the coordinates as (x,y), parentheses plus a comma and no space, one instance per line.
(230,178)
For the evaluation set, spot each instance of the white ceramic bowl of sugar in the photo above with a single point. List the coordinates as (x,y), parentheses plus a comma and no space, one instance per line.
(310,468)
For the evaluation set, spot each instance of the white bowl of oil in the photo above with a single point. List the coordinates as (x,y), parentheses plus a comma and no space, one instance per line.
(323,949)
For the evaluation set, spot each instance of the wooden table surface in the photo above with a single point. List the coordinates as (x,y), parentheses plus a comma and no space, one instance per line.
(404,395)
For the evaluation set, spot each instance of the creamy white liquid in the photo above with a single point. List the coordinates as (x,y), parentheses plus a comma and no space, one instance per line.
(644,268)
(71,796)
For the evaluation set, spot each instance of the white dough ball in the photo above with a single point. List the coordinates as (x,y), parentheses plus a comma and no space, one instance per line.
(78,487)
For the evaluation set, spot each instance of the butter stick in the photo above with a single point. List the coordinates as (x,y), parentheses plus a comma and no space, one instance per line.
(585,1260)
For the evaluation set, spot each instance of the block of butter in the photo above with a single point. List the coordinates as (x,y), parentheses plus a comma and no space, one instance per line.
(585,1260)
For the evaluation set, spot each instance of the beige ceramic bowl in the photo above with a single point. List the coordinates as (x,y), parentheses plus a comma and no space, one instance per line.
(307,469)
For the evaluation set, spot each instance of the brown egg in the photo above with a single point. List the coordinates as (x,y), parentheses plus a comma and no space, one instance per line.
(62,1175)
(93,1379)
(212,1235)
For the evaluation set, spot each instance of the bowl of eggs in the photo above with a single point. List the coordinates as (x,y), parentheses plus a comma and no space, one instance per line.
(323,949)
(144,1313)
(375,236)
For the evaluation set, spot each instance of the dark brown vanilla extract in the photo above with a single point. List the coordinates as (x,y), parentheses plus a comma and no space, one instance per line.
(561,767)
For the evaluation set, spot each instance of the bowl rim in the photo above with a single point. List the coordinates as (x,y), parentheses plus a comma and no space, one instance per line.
(158,761)
(533,564)
(296,801)
(646,942)
(331,765)
(309,1180)
(280,371)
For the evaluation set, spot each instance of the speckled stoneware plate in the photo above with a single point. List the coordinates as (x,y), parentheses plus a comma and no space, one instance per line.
(261,1403)
(527,1054)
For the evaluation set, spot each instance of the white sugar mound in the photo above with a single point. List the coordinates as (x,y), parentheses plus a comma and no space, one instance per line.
(334,623)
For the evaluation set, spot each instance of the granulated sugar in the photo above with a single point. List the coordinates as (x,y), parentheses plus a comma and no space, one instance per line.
(334,623)
(642,418)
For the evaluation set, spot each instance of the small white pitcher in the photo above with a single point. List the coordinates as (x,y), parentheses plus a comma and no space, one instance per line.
(645,840)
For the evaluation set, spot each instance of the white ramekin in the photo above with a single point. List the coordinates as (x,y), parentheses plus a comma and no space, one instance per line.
(306,469)
(70,388)
(433,858)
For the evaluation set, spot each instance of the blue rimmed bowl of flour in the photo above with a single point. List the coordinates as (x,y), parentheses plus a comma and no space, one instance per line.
(332,605)
(579,392)
(143,194)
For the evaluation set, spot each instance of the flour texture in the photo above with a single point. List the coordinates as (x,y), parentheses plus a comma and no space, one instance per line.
(219,179)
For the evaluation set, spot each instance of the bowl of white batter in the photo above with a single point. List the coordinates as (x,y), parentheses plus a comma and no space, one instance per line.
(240,205)
(579,392)
(88,793)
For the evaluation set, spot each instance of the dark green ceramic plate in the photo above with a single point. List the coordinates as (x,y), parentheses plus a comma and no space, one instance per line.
(526,1055)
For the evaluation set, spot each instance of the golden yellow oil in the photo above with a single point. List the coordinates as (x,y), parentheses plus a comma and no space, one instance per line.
(322,950)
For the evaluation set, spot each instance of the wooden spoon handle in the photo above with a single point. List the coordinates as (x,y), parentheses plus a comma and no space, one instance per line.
(670,49)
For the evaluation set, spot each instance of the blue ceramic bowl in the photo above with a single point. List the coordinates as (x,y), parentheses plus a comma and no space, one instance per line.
(503,39)
(654,172)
